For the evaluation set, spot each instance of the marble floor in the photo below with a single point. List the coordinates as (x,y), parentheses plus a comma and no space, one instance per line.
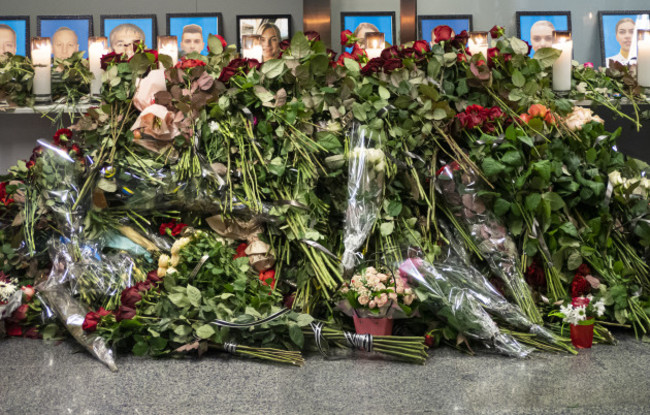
(36,377)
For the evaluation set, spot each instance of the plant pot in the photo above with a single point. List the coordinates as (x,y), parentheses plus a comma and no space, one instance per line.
(377,326)
(582,334)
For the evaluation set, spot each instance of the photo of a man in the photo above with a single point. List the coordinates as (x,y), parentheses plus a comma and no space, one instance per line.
(69,34)
(192,30)
(362,23)
(7,40)
(192,39)
(541,35)
(64,43)
(427,25)
(123,37)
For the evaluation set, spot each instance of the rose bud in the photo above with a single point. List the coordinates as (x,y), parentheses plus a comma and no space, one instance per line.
(345,36)
(29,292)
(130,297)
(91,321)
(124,313)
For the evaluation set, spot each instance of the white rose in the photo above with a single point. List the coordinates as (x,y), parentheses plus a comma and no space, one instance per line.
(363,299)
(615,178)
(163,261)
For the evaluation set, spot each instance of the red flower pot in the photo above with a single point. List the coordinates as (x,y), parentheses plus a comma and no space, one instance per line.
(582,335)
(382,326)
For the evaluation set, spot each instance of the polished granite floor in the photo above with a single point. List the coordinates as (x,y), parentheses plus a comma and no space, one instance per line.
(39,378)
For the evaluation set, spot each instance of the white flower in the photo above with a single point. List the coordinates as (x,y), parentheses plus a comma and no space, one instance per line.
(581,87)
(581,312)
(363,299)
(599,306)
(372,304)
(163,261)
(6,290)
(579,117)
(615,178)
(214,126)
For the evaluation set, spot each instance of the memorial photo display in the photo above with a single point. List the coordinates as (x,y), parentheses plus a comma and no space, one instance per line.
(537,28)
(123,30)
(273,29)
(618,34)
(14,35)
(457,22)
(69,34)
(360,23)
(193,29)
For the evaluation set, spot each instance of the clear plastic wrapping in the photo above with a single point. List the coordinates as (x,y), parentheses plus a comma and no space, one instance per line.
(438,288)
(460,190)
(365,191)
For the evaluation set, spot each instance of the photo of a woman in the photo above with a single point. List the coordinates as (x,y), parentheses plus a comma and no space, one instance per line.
(272,29)
(271,38)
(624,35)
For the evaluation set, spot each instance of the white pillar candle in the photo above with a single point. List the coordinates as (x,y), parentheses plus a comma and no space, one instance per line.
(375,42)
(252,47)
(97,47)
(168,45)
(42,61)
(643,58)
(562,66)
(478,43)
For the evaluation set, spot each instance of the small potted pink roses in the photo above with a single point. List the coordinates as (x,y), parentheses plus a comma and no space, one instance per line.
(374,299)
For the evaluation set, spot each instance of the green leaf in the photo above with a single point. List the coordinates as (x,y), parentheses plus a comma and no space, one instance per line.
(519,46)
(547,56)
(387,228)
(433,67)
(512,158)
(205,331)
(394,208)
(180,300)
(300,46)
(591,155)
(140,348)
(304,319)
(491,167)
(183,330)
(273,68)
(262,93)
(526,140)
(501,207)
(439,114)
(532,201)
(556,202)
(569,229)
(574,261)
(518,79)
(215,45)
(295,333)
(194,296)
(351,65)
(383,93)
(543,169)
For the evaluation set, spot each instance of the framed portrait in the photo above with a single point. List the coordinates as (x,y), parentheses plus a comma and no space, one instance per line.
(192,30)
(14,35)
(618,34)
(360,23)
(537,28)
(273,29)
(457,22)
(122,30)
(69,34)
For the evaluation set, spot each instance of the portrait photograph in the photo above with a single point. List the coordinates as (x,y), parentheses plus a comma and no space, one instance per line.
(123,30)
(366,22)
(14,35)
(457,22)
(193,29)
(618,34)
(537,28)
(273,29)
(68,34)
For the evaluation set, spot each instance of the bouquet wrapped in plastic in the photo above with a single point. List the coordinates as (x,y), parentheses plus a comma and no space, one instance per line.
(460,190)
(365,191)
(439,292)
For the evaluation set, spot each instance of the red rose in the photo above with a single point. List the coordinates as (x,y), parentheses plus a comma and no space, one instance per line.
(312,35)
(30,164)
(14,330)
(130,297)
(185,63)
(227,73)
(392,64)
(153,277)
(344,55)
(579,301)
(580,286)
(584,269)
(358,53)
(111,58)
(124,313)
(421,46)
(373,66)
(289,299)
(389,53)
(284,45)
(497,31)
(345,37)
(550,118)
(460,40)
(494,113)
(32,333)
(62,136)
(224,44)
(28,292)
(525,118)
(442,32)
(408,53)
(4,199)
(331,54)
(75,150)
(241,251)
(143,286)
(175,229)
(91,321)
(20,313)
(429,340)
(265,276)
(535,276)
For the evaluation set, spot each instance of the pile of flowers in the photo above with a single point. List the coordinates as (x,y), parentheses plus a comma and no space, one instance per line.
(377,291)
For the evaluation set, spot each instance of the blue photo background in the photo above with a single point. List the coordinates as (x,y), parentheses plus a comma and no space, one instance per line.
(383,23)
(209,24)
(146,24)
(20,27)
(561,22)
(79,26)
(457,25)
(612,47)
